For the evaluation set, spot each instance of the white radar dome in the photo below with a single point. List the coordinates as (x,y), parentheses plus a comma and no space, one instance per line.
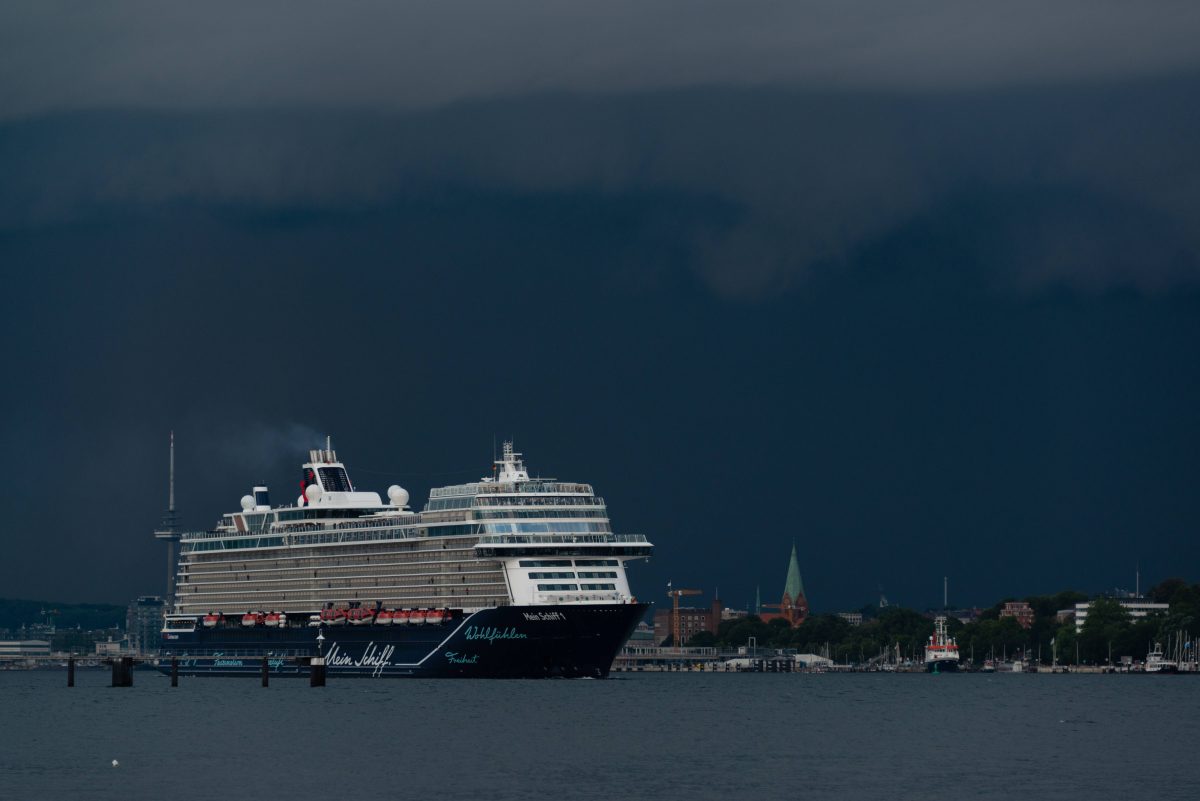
(398,495)
(313,493)
(247,503)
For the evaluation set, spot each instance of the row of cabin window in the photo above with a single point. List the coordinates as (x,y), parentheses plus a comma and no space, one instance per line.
(567,563)
(507,514)
(571,587)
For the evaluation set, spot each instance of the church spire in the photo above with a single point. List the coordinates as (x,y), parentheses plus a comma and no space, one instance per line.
(794,586)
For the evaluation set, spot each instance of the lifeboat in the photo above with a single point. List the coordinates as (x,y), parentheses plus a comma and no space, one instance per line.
(333,617)
(401,617)
(273,620)
(211,620)
(417,617)
(384,618)
(434,617)
(251,619)
(360,616)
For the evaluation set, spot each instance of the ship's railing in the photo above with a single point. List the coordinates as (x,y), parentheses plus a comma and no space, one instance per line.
(550,539)
(400,529)
(532,486)
(202,535)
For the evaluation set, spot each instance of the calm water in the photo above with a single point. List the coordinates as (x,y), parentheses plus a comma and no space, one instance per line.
(659,736)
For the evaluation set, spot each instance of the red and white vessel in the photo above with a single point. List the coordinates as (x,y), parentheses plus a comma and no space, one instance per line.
(941,653)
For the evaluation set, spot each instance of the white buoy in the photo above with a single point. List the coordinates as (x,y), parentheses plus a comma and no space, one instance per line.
(115,763)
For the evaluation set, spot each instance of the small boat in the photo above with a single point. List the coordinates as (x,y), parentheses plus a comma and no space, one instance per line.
(434,617)
(941,652)
(401,617)
(383,617)
(360,616)
(274,620)
(1155,663)
(211,620)
(417,617)
(333,617)
(251,619)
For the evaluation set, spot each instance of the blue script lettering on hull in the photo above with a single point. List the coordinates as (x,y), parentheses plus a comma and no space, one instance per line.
(491,634)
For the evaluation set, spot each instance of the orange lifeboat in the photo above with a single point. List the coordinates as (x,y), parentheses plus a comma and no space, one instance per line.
(434,617)
(401,617)
(251,619)
(273,620)
(333,617)
(360,616)
(384,618)
(417,617)
(211,620)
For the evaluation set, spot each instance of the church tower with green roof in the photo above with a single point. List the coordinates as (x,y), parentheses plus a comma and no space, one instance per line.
(793,606)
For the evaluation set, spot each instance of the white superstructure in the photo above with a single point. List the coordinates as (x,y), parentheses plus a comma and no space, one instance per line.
(1137,608)
(506,539)
(941,652)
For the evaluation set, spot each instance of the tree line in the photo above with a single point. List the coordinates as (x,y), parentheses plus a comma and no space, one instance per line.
(1108,630)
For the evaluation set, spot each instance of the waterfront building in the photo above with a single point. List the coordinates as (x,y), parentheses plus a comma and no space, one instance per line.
(1021,610)
(24,649)
(1138,608)
(853,618)
(692,621)
(143,624)
(793,606)
(109,647)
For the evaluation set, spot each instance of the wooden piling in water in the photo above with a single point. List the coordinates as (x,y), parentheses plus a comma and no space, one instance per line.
(266,670)
(174,671)
(70,671)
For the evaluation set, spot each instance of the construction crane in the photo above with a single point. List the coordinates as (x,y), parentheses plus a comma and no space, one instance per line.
(675,596)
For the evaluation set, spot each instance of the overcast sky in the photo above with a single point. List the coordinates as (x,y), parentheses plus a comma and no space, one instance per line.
(916,286)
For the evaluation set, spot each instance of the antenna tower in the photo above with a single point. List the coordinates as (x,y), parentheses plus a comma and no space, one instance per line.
(168,532)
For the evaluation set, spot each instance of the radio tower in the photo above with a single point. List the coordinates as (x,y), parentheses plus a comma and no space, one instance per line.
(169,530)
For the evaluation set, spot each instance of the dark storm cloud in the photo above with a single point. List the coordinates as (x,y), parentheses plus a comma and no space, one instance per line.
(1084,187)
(400,54)
(414,226)
(821,126)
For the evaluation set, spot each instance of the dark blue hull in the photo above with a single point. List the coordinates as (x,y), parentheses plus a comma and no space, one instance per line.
(503,642)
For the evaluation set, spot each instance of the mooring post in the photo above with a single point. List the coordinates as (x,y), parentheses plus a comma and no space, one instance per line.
(316,672)
(174,671)
(316,666)
(122,671)
(70,671)
(266,669)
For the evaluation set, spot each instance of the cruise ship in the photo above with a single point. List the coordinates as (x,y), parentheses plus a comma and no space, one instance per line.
(511,576)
